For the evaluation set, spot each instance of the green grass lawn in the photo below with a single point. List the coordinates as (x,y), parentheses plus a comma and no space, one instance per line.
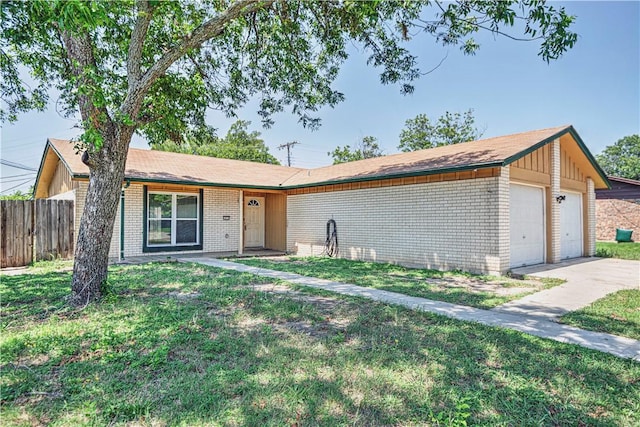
(617,313)
(183,344)
(629,250)
(432,284)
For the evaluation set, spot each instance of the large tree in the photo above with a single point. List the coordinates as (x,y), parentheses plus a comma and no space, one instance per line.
(154,67)
(239,143)
(622,158)
(420,133)
(367,148)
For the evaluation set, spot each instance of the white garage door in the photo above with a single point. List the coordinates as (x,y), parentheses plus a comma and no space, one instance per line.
(571,226)
(527,225)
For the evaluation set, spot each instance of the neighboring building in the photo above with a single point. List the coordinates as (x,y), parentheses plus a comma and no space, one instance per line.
(618,207)
(482,206)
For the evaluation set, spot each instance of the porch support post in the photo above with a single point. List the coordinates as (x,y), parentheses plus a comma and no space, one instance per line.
(590,219)
(504,221)
(241,216)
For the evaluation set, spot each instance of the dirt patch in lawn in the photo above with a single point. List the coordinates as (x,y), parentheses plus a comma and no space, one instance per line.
(328,307)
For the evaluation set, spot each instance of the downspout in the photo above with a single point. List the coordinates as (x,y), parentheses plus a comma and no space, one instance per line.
(126,185)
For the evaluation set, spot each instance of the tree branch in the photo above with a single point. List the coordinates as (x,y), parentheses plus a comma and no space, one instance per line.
(79,49)
(212,28)
(136,44)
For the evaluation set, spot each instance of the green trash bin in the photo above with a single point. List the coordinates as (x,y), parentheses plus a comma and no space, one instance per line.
(623,235)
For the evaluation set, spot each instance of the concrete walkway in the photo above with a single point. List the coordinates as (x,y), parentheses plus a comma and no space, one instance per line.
(587,280)
(618,346)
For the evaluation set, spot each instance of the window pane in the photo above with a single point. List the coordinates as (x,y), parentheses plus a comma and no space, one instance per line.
(186,231)
(159,232)
(159,206)
(187,206)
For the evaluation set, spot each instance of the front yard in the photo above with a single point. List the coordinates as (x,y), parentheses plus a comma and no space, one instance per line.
(191,345)
(451,286)
(627,250)
(617,313)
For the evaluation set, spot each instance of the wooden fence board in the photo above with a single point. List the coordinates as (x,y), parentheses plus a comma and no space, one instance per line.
(54,219)
(47,224)
(17,233)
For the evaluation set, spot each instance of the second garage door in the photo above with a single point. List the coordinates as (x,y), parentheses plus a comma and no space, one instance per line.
(526,205)
(571,226)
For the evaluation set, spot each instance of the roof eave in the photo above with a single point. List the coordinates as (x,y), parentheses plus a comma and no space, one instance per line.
(398,175)
(38,176)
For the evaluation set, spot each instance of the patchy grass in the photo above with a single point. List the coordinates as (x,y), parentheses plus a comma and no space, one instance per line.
(617,313)
(451,286)
(627,250)
(182,344)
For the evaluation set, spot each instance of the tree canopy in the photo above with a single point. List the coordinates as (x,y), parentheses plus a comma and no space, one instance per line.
(622,159)
(239,143)
(155,67)
(367,148)
(420,133)
(18,195)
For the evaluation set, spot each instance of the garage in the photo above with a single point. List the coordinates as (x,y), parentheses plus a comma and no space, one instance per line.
(526,225)
(571,226)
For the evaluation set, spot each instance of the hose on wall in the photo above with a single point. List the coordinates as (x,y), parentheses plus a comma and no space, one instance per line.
(331,244)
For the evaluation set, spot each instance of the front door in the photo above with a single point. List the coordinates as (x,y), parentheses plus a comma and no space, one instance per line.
(254,222)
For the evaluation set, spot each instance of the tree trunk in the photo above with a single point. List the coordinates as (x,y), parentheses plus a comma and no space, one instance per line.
(96,225)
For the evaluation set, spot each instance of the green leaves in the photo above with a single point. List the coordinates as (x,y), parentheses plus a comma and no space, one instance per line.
(286,54)
(452,128)
(365,149)
(238,144)
(622,159)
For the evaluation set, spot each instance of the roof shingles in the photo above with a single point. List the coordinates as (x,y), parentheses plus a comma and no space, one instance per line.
(151,165)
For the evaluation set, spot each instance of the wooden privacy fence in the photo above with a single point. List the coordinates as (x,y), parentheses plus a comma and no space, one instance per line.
(40,228)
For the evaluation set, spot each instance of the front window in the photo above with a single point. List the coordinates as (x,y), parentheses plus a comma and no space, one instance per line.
(173,219)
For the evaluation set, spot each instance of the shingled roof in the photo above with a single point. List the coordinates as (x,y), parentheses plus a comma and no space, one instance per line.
(160,166)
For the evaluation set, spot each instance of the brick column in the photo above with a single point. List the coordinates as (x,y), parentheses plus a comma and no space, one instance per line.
(554,207)
(590,237)
(241,229)
(504,221)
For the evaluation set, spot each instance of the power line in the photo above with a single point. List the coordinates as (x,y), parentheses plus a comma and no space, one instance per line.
(15,186)
(288,145)
(4,181)
(16,176)
(17,165)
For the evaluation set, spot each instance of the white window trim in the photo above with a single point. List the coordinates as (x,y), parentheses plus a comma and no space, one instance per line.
(174,219)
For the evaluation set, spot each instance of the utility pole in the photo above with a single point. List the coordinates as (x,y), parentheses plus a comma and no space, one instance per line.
(288,146)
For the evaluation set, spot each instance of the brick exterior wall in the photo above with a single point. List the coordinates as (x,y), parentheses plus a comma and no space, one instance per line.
(504,220)
(612,214)
(218,235)
(590,238)
(442,225)
(80,194)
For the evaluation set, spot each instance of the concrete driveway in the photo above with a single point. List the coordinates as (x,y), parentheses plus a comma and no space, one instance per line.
(588,279)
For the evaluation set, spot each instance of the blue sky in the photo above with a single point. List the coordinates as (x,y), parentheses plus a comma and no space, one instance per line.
(595,87)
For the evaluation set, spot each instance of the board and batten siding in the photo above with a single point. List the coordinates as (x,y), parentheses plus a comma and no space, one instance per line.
(442,225)
(275,221)
(61,181)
